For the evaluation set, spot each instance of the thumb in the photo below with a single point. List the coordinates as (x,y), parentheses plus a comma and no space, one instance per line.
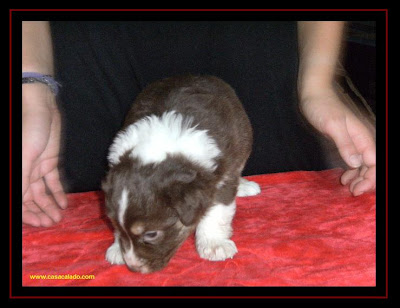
(26,172)
(337,130)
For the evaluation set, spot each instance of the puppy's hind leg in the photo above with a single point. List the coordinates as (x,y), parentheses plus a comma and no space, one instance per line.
(247,188)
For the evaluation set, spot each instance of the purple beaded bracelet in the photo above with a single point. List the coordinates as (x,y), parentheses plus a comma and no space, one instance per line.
(31,77)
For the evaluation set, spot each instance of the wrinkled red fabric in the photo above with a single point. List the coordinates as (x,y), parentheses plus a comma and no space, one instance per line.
(304,229)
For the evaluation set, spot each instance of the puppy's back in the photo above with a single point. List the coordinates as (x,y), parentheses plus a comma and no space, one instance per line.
(211,102)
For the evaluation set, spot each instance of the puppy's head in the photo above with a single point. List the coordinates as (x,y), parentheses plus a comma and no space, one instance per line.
(154,208)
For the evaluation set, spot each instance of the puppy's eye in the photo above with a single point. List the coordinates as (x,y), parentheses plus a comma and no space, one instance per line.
(151,236)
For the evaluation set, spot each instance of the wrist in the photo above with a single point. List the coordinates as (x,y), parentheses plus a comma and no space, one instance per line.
(314,83)
(48,80)
(36,97)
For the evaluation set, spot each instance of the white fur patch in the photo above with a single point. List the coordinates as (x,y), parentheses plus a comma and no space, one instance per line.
(247,188)
(123,205)
(152,138)
(213,233)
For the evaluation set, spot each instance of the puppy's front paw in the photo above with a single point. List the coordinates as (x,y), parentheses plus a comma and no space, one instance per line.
(216,249)
(114,255)
(247,188)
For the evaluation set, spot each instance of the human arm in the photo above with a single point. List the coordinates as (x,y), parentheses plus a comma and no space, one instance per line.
(41,125)
(320,45)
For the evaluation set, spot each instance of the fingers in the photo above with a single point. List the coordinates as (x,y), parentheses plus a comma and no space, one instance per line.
(365,178)
(365,182)
(29,216)
(356,146)
(34,216)
(26,172)
(45,203)
(361,180)
(39,209)
(364,141)
(337,130)
(348,176)
(54,185)
(354,138)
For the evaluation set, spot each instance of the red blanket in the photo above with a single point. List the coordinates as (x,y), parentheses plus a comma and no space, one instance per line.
(304,229)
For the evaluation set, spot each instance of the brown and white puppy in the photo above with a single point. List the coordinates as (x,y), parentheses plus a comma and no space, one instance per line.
(174,168)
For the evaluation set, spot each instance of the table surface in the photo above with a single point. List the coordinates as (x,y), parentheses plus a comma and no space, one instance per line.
(304,229)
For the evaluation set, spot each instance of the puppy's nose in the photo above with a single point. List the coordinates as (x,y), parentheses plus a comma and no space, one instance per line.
(141,269)
(134,268)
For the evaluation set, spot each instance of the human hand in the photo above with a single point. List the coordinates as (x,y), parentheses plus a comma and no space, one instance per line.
(43,196)
(354,138)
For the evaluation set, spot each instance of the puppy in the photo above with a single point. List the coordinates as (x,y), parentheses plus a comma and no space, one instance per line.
(174,168)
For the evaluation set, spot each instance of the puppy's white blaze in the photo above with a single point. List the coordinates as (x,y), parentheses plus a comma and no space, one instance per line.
(133,261)
(152,138)
(123,205)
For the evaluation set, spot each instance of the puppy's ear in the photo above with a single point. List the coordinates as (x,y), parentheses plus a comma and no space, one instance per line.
(105,186)
(176,175)
(106,183)
(186,189)
(191,206)
(189,213)
(107,189)
(186,176)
